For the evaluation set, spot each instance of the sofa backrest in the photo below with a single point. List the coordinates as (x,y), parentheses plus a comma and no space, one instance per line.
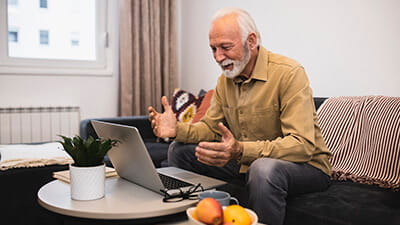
(318,101)
(141,122)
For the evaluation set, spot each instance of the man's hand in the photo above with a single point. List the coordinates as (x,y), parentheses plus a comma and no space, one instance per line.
(163,124)
(219,153)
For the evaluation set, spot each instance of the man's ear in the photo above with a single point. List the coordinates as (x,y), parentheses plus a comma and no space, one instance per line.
(252,40)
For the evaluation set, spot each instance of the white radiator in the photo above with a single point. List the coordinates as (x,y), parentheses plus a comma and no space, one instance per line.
(38,124)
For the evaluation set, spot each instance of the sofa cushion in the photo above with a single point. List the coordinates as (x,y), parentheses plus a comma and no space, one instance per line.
(363,135)
(345,202)
(205,104)
(19,195)
(184,104)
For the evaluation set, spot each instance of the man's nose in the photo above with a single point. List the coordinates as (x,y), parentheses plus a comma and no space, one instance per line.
(219,55)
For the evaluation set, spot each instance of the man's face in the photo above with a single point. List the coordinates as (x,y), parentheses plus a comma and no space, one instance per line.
(227,46)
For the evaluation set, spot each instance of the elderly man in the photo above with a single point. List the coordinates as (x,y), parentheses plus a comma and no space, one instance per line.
(261,122)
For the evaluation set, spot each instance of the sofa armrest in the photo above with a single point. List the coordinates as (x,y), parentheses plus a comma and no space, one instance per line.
(140,122)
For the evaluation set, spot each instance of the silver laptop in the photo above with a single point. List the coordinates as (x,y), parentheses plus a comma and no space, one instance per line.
(132,161)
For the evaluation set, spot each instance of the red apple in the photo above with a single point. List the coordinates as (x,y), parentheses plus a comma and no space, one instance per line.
(209,211)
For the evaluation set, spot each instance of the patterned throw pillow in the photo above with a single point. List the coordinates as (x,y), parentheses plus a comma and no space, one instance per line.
(184,104)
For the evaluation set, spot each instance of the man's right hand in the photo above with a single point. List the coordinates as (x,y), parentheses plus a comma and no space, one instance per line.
(163,124)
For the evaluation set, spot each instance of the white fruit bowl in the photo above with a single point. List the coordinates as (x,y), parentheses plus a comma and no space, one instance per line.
(193,221)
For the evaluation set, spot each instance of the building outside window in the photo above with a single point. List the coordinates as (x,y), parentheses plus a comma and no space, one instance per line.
(13,35)
(44,37)
(12,2)
(75,39)
(43,4)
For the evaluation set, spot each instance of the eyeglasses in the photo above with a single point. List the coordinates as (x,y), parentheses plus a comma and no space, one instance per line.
(177,195)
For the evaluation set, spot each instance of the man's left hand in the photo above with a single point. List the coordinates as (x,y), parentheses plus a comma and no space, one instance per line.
(219,153)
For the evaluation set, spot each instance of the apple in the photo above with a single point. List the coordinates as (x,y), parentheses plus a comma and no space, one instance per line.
(209,211)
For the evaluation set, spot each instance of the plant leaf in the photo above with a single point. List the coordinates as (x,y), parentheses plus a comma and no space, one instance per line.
(88,152)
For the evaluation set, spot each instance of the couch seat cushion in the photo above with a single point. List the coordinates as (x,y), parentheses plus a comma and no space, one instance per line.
(345,203)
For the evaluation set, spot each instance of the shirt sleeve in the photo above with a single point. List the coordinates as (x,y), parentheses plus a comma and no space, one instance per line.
(206,129)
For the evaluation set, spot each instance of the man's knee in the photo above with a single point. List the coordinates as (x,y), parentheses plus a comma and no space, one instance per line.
(179,148)
(267,169)
(267,166)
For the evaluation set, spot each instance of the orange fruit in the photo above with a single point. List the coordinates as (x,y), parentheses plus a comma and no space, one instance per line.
(194,215)
(237,215)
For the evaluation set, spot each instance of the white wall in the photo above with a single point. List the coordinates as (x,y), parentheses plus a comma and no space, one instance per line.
(347,47)
(96,96)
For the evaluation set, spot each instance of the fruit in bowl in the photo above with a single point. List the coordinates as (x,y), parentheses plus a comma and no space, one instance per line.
(237,215)
(210,212)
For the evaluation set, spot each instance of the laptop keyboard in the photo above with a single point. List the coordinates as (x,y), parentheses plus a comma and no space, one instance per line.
(172,183)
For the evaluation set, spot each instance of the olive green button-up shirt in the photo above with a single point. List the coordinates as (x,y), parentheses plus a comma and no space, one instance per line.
(272,114)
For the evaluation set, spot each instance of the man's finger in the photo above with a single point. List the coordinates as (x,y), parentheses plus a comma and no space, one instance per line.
(216,146)
(165,103)
(210,161)
(224,130)
(205,159)
(155,130)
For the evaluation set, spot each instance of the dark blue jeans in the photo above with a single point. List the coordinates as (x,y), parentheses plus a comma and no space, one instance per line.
(269,181)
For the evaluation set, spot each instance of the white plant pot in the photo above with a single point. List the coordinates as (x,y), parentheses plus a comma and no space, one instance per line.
(87,183)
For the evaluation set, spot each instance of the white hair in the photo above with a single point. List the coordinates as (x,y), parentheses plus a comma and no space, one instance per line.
(246,23)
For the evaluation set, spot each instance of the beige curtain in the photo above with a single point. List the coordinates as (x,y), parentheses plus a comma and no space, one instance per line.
(148,61)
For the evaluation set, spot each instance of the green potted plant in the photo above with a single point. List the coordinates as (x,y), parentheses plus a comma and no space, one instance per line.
(87,173)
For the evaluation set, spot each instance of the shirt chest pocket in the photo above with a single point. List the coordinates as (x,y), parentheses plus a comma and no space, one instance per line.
(262,124)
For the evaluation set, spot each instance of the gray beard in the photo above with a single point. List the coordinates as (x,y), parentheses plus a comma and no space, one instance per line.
(238,65)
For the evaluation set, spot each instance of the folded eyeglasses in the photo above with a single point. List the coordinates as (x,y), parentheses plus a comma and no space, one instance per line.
(177,195)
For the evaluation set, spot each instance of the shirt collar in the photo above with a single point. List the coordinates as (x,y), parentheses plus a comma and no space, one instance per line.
(260,69)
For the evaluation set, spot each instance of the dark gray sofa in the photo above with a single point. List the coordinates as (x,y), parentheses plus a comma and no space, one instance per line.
(344,202)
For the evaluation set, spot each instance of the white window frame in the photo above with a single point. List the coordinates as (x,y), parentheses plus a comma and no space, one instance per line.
(106,13)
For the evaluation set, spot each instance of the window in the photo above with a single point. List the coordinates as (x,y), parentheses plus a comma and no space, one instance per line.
(44,37)
(73,32)
(12,2)
(43,4)
(13,35)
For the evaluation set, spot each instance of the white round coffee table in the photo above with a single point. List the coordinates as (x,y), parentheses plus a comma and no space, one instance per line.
(123,200)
